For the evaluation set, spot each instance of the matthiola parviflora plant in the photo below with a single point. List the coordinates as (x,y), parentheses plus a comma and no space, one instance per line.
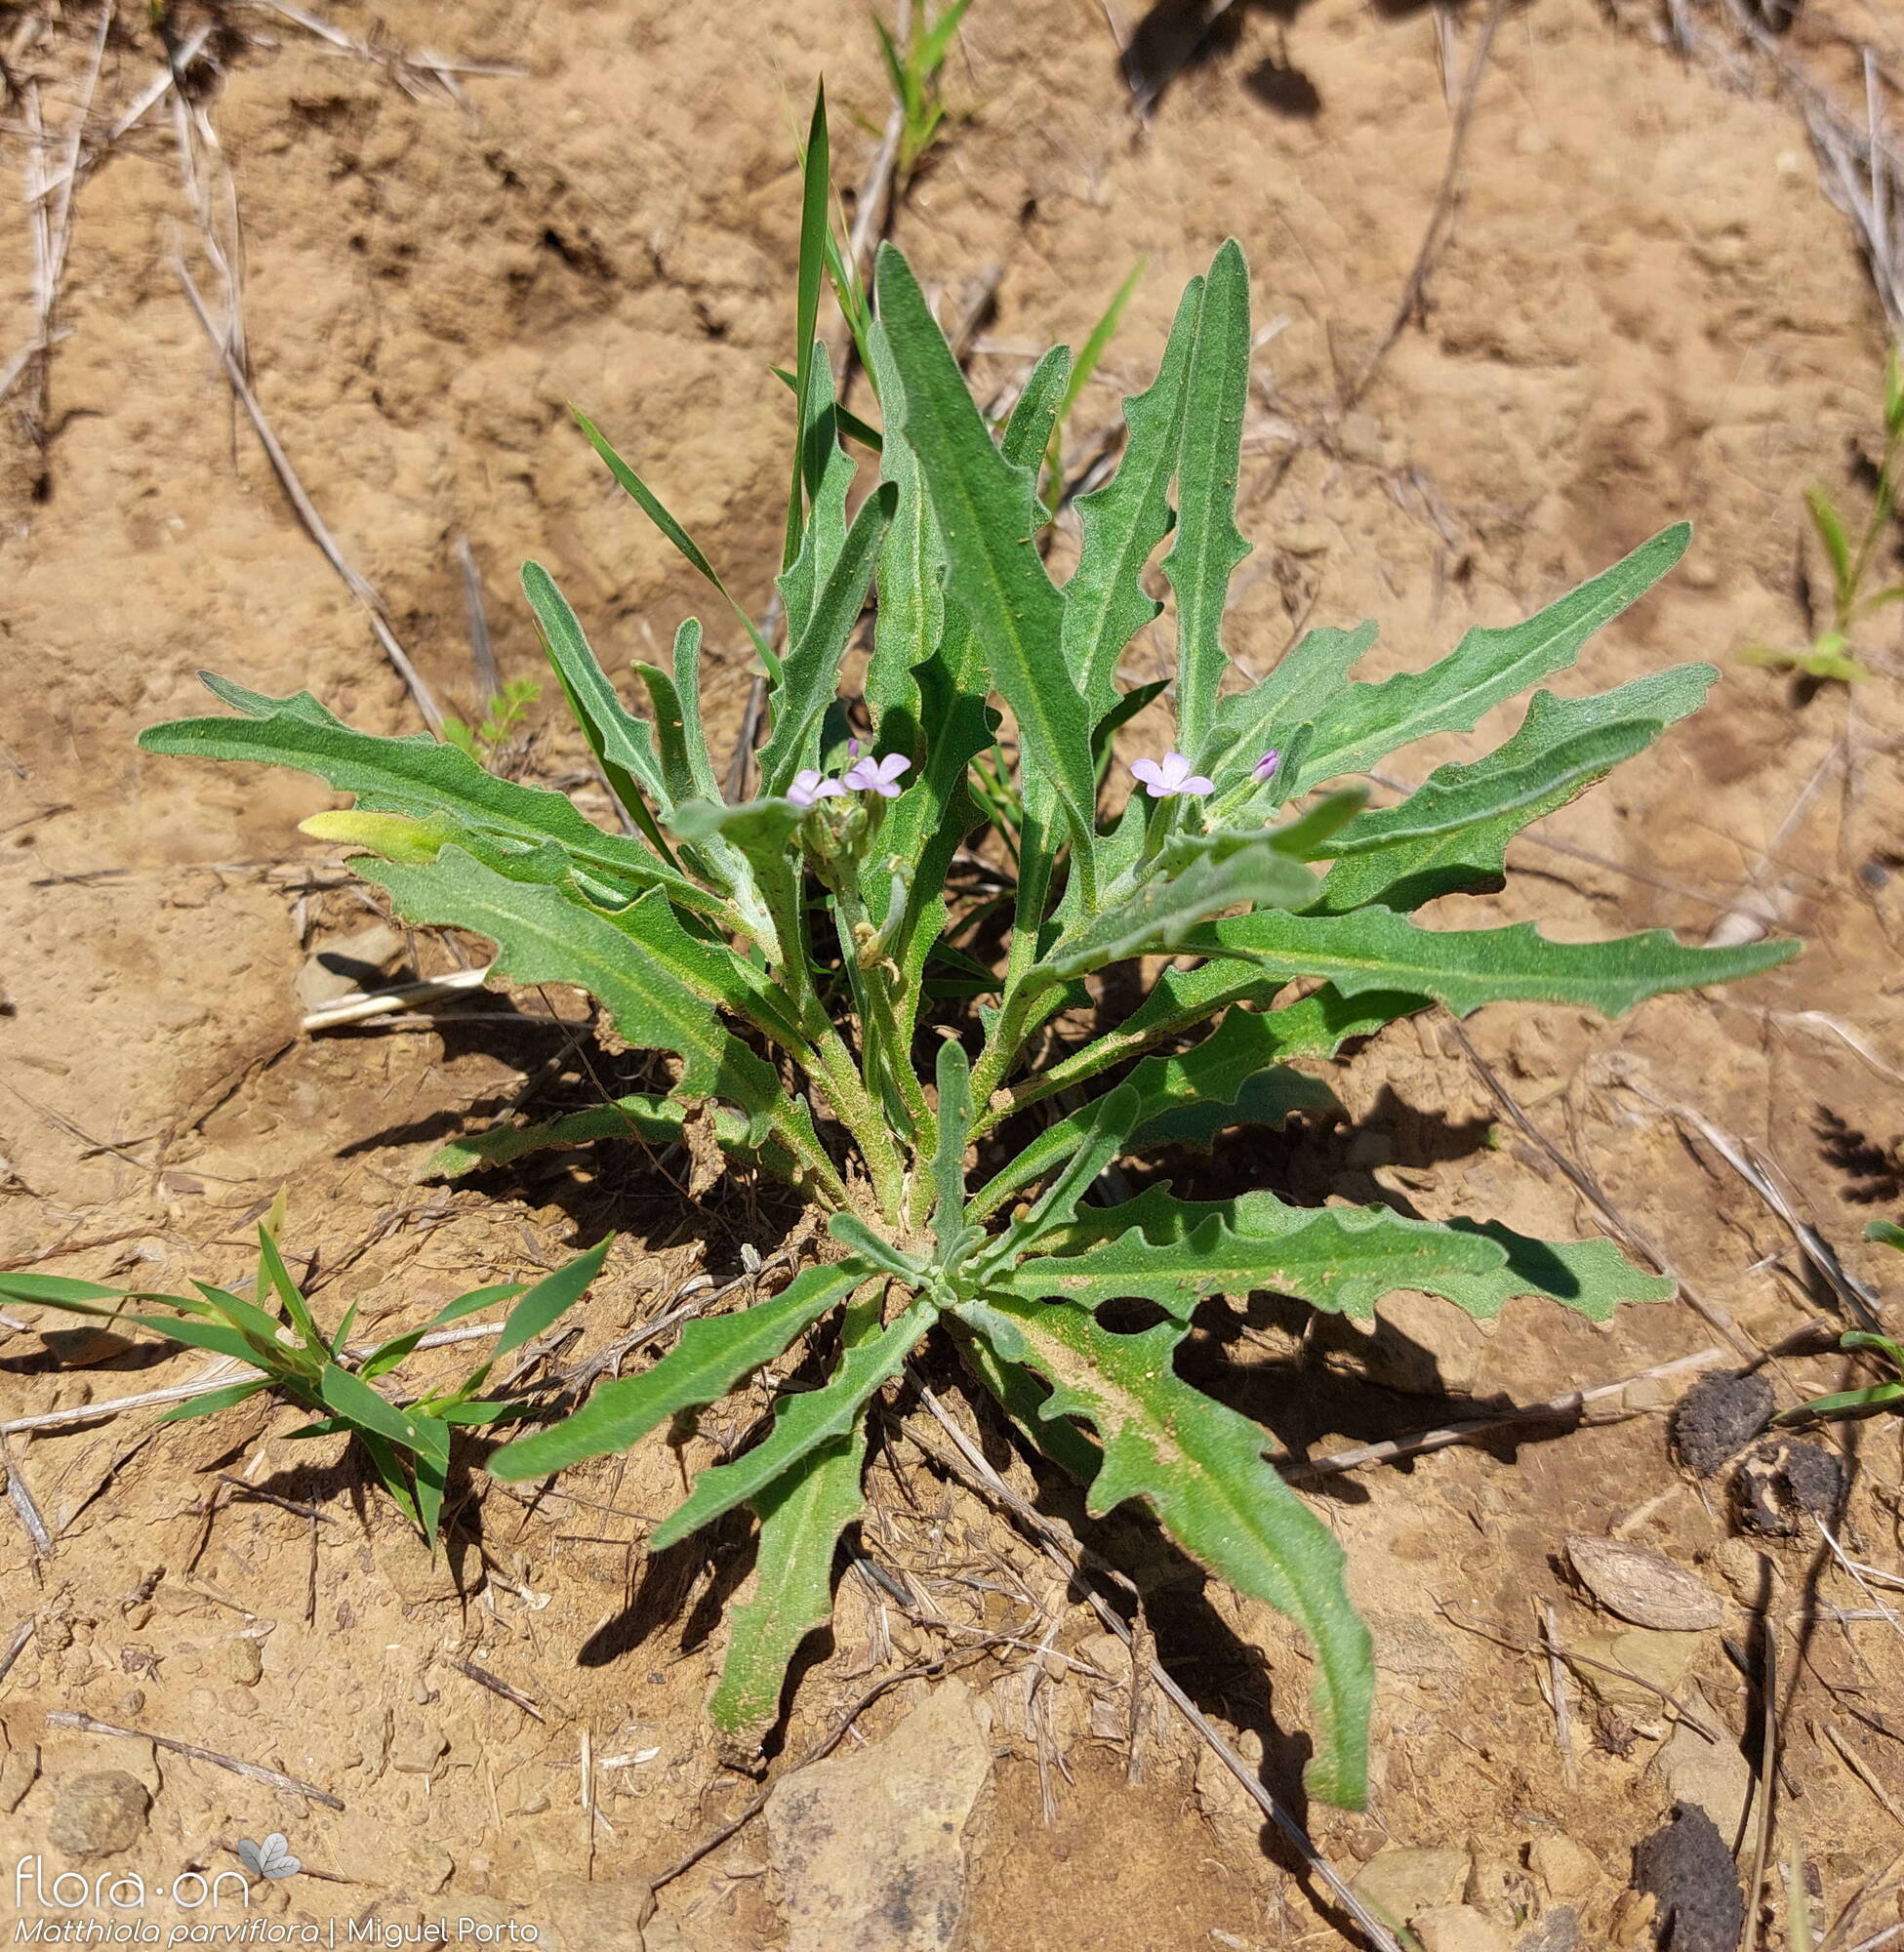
(957,1113)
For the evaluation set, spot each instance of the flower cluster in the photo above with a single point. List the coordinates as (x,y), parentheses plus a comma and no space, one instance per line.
(1170,777)
(867,774)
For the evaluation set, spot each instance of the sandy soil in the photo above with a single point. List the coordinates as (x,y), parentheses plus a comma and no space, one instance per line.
(1644,308)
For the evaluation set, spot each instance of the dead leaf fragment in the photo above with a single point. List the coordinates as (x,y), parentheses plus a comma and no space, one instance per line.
(1643,1586)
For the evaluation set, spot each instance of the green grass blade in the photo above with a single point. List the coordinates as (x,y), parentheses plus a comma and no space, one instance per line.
(552,1296)
(646,499)
(1209,545)
(712,1356)
(816,177)
(215,1401)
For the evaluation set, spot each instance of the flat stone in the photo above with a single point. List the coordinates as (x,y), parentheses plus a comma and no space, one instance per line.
(869,1846)
(1397,1883)
(1555,1931)
(1664,1659)
(1713,1776)
(97,1815)
(417,1749)
(17,1770)
(1567,1870)
(606,1917)
(348,964)
(1458,1927)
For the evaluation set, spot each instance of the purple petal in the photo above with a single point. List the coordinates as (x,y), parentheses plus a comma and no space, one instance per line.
(1176,769)
(1264,767)
(1147,771)
(1198,786)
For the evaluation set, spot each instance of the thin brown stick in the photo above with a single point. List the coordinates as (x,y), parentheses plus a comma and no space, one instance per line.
(306,513)
(88,1725)
(1564,1405)
(22,1500)
(1556,1681)
(1862,1771)
(482,1676)
(15,1646)
(1768,1787)
(1440,216)
(1575,1658)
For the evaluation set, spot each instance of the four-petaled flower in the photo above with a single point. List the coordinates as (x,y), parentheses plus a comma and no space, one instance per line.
(881,776)
(1166,778)
(1264,767)
(808,785)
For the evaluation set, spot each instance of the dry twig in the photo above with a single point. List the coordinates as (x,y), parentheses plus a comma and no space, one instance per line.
(88,1725)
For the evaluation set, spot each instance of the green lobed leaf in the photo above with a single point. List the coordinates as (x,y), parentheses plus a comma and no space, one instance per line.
(1200,1466)
(911,618)
(1363,724)
(542,936)
(1314,1025)
(713,1356)
(811,677)
(1235,1077)
(1103,1132)
(1307,678)
(1592,1278)
(1452,832)
(952,1077)
(1209,544)
(802,1423)
(802,1514)
(1339,1259)
(984,506)
(1162,913)
(622,743)
(1374,948)
(415,775)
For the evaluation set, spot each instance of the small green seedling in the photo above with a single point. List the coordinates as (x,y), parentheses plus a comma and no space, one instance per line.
(935,1060)
(407,1439)
(502,718)
(1881,1396)
(913,71)
(1830,656)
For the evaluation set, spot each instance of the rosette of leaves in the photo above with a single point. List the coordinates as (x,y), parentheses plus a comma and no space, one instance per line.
(825,996)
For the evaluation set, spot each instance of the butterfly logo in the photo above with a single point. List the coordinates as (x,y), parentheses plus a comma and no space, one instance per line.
(271,1858)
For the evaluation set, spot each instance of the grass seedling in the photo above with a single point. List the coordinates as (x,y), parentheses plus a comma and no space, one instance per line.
(1830,656)
(501,719)
(848,1004)
(913,70)
(1881,1396)
(405,1436)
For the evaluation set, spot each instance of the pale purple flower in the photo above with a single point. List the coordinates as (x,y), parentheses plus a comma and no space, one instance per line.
(808,787)
(1264,767)
(1165,779)
(881,776)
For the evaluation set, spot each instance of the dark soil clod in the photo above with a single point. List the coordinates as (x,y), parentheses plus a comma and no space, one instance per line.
(1780,1480)
(1717,1417)
(1689,1871)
